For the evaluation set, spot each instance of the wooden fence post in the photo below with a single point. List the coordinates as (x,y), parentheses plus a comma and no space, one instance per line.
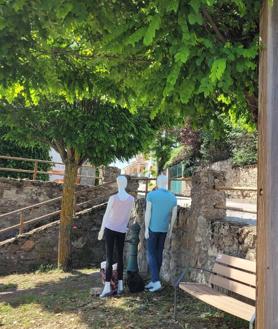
(267,221)
(35,170)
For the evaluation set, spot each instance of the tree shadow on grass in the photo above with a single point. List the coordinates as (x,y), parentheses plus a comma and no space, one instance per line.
(70,296)
(9,287)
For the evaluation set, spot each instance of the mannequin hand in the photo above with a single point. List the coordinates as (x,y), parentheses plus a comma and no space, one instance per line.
(146,234)
(100,234)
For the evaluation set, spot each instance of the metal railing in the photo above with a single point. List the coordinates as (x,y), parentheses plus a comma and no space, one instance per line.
(20,212)
(147,180)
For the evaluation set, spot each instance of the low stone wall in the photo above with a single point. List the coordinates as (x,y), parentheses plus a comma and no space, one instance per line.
(109,173)
(39,247)
(16,194)
(200,248)
(238,177)
(19,193)
(200,232)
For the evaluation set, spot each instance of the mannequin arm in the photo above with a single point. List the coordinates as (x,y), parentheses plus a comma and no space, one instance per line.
(107,211)
(173,219)
(148,218)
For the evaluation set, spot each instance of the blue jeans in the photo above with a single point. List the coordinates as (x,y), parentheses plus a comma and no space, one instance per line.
(155,245)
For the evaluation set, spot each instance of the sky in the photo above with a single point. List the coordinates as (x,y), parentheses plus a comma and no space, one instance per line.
(121,164)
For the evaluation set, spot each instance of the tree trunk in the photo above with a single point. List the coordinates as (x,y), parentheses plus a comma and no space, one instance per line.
(64,247)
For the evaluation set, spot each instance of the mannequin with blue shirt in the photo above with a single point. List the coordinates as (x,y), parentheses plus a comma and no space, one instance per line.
(160,216)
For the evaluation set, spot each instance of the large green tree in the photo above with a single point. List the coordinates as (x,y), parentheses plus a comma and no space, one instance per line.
(197,58)
(175,55)
(83,130)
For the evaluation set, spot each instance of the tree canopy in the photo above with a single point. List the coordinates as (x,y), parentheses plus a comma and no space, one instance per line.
(84,130)
(190,57)
(13,148)
(203,55)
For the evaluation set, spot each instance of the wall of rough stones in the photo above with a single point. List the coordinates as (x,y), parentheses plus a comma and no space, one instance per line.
(19,193)
(109,173)
(16,194)
(31,250)
(238,176)
(200,232)
(38,247)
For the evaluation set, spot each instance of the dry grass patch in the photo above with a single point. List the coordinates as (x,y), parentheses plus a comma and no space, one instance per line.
(61,300)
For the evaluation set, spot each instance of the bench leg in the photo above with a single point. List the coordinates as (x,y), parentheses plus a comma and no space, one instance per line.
(251,323)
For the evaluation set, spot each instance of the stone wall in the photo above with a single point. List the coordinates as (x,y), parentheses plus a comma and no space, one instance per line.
(200,232)
(16,194)
(109,173)
(238,177)
(39,247)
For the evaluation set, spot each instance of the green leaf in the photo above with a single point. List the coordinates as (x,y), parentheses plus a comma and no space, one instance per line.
(18,4)
(186,90)
(195,18)
(210,2)
(206,87)
(136,36)
(172,5)
(63,10)
(195,4)
(171,79)
(2,23)
(182,55)
(217,70)
(151,30)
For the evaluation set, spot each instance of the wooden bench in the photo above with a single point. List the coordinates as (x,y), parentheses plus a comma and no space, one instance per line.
(235,275)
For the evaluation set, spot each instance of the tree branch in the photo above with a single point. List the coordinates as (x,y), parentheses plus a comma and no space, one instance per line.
(59,147)
(252,102)
(219,35)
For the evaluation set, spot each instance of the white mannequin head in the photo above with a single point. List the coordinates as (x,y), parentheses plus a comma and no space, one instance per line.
(122,182)
(162,182)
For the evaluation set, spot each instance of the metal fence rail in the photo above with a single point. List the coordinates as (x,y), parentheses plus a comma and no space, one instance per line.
(35,171)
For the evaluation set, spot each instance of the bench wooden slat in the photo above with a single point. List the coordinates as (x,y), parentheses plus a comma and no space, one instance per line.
(240,263)
(219,300)
(235,274)
(238,288)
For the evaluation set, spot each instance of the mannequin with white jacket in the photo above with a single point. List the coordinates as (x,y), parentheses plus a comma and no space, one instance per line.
(160,216)
(114,228)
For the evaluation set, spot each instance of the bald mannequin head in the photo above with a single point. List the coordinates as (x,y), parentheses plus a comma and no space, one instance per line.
(162,182)
(122,182)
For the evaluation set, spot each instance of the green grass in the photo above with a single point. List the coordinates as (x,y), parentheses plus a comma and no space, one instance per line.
(61,300)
